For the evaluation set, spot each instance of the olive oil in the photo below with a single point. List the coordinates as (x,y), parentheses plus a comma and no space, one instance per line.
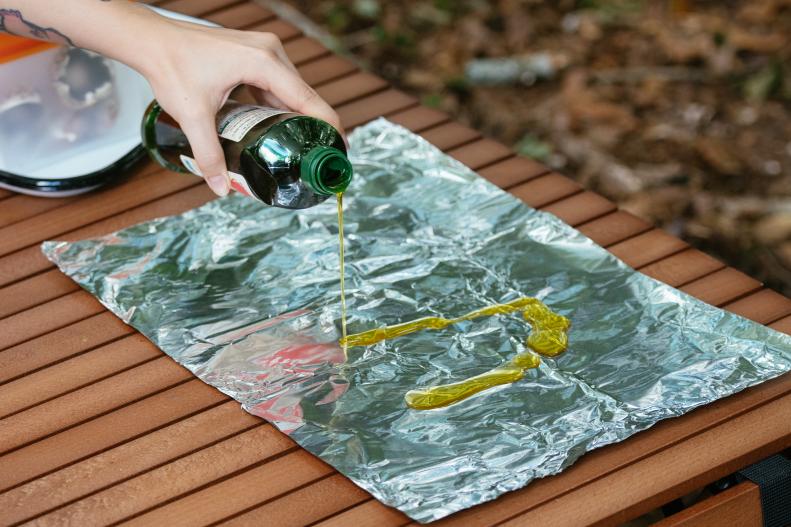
(549,337)
(343,281)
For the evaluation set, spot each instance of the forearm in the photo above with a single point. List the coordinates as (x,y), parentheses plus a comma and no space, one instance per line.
(118,29)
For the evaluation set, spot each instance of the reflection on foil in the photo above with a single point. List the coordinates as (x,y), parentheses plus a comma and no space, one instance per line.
(247,297)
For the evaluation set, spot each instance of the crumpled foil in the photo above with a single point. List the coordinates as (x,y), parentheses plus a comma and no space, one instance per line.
(247,298)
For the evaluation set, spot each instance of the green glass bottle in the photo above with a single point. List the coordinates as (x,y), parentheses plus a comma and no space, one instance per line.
(281,158)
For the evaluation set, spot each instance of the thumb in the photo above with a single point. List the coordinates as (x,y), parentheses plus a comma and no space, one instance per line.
(207,151)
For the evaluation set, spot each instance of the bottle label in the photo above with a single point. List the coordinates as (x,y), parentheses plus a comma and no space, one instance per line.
(240,119)
(238,183)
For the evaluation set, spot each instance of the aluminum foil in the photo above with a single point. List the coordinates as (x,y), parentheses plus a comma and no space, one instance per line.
(247,298)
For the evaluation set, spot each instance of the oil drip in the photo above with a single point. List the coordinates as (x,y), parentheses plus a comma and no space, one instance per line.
(343,282)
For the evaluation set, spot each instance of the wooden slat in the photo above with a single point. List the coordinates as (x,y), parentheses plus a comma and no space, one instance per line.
(546,189)
(650,247)
(127,460)
(259,444)
(306,505)
(474,163)
(419,118)
(369,514)
(484,151)
(326,69)
(450,135)
(278,27)
(75,373)
(34,291)
(611,229)
(240,492)
(351,87)
(61,344)
(42,319)
(304,49)
(106,431)
(513,171)
(19,207)
(681,268)
(83,404)
(738,506)
(722,286)
(764,307)
(359,112)
(783,325)
(684,267)
(614,227)
(581,208)
(445,141)
(240,15)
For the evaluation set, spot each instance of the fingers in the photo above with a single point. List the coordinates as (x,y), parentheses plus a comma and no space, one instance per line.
(265,98)
(280,51)
(202,135)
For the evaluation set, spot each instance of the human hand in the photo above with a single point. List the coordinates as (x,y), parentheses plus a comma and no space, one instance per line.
(197,67)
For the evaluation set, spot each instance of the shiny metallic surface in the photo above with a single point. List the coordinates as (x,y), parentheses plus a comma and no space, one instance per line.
(247,298)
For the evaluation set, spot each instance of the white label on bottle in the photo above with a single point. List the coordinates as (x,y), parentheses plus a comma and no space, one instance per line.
(241,119)
(238,183)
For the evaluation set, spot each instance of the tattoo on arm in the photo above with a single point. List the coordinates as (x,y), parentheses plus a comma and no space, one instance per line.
(12,21)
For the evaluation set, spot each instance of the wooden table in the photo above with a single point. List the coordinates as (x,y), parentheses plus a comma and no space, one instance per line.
(98,426)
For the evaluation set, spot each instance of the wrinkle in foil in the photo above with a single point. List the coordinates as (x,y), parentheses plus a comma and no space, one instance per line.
(247,298)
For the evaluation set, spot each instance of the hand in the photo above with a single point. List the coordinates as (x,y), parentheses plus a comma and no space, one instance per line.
(197,67)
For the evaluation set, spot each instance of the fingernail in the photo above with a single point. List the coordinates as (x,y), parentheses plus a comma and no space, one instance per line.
(219,184)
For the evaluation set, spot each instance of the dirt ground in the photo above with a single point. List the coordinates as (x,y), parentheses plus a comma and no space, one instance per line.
(678,110)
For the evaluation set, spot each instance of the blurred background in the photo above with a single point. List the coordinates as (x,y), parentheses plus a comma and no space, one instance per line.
(678,110)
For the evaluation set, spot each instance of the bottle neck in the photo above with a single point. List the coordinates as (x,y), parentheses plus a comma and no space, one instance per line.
(326,170)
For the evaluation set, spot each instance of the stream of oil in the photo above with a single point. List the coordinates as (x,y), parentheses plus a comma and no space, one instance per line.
(343,281)
(549,337)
